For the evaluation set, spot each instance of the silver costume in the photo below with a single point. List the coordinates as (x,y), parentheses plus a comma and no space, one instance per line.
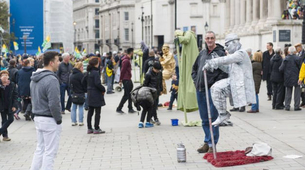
(240,84)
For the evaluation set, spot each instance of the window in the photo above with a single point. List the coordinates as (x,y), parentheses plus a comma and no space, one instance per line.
(97,34)
(126,34)
(96,11)
(97,23)
(97,1)
(126,16)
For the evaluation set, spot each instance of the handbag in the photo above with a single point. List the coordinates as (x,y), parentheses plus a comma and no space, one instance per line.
(78,98)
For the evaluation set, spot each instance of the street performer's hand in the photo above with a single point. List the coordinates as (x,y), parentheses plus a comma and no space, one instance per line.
(207,67)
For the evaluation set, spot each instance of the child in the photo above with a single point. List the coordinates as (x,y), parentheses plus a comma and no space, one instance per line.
(153,79)
(174,91)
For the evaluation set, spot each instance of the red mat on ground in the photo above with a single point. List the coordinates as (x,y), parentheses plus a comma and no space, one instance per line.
(233,158)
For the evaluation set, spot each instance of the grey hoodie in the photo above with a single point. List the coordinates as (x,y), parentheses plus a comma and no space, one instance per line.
(45,93)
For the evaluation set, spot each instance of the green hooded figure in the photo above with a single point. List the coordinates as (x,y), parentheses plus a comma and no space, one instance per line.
(187,100)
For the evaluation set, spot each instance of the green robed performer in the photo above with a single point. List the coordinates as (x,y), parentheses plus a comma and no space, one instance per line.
(187,101)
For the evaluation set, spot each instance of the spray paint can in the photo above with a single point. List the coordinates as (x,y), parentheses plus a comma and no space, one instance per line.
(181,153)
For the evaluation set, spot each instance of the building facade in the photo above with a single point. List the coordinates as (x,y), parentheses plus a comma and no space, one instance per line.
(256,22)
(86,24)
(117,21)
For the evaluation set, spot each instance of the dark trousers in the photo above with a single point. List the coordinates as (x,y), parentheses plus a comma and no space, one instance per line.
(278,95)
(154,109)
(269,85)
(63,88)
(96,118)
(7,119)
(128,86)
(173,97)
(297,97)
(147,109)
(26,106)
(303,98)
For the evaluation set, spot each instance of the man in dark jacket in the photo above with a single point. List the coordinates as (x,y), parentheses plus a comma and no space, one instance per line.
(153,78)
(63,73)
(267,55)
(301,54)
(149,62)
(125,79)
(212,77)
(8,103)
(277,79)
(291,67)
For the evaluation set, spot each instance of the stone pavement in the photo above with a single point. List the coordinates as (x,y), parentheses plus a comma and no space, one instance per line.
(124,146)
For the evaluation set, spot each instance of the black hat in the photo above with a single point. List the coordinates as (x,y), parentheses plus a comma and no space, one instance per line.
(157,66)
(25,56)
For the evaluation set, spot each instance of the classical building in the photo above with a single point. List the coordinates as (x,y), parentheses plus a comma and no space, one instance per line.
(256,22)
(86,24)
(117,24)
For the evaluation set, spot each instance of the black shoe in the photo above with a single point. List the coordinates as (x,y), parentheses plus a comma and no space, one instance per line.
(111,92)
(120,111)
(297,109)
(287,109)
(131,111)
(279,108)
(234,109)
(242,109)
(169,108)
(269,97)
(86,108)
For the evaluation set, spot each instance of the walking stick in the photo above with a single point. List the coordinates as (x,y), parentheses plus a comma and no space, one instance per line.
(209,112)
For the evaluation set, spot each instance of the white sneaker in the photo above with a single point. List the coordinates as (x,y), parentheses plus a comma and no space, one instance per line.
(74,124)
(221,118)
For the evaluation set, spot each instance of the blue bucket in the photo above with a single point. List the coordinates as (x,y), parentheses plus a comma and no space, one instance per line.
(174,122)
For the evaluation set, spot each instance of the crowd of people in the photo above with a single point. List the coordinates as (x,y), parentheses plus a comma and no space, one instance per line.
(38,86)
(293,11)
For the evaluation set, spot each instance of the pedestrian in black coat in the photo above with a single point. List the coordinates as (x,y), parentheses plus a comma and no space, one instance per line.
(267,55)
(23,81)
(277,80)
(12,71)
(291,67)
(8,103)
(95,91)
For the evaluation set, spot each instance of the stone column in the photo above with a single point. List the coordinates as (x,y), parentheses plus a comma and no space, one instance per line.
(232,15)
(227,15)
(274,12)
(242,14)
(263,13)
(255,9)
(223,13)
(249,12)
(236,15)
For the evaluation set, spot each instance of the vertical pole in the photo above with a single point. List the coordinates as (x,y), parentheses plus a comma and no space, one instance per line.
(151,24)
(175,14)
(209,112)
(24,40)
(303,27)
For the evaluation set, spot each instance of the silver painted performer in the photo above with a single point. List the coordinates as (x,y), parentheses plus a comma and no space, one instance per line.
(239,87)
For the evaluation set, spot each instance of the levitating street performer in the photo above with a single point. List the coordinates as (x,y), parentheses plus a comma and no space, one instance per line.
(168,63)
(240,83)
(187,101)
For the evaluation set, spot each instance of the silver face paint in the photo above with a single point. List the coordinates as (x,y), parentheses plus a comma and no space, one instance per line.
(232,46)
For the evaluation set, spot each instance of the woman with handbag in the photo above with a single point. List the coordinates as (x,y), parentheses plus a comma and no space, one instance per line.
(78,94)
(95,92)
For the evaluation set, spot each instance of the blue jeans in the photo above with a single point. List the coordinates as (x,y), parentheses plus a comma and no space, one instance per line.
(255,107)
(203,111)
(109,83)
(86,101)
(80,113)
(63,88)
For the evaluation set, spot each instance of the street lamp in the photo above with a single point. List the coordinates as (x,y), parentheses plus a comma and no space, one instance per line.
(142,20)
(206,26)
(74,24)
(303,24)
(24,40)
